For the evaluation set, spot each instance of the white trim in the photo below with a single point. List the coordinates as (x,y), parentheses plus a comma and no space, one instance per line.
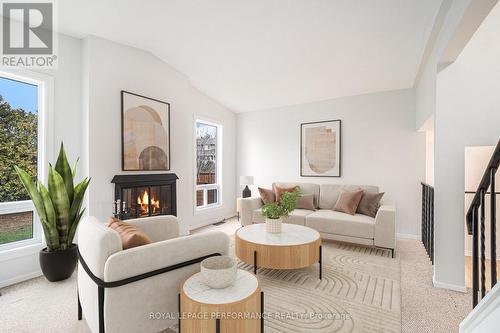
(20,278)
(484,309)
(218,185)
(442,285)
(211,221)
(45,85)
(407,236)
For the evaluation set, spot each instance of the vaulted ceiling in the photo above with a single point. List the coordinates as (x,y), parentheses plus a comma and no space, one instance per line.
(259,54)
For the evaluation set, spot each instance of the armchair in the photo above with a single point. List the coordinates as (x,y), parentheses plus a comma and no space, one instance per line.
(136,290)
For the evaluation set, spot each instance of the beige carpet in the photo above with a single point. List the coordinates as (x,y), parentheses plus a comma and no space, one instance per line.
(361,286)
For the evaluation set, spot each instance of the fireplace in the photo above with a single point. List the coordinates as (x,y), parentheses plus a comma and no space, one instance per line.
(139,196)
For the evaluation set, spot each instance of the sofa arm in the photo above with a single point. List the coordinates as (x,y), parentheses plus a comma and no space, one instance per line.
(147,258)
(385,227)
(247,206)
(158,228)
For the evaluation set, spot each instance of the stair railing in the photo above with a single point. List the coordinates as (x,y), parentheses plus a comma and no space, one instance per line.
(427,232)
(475,218)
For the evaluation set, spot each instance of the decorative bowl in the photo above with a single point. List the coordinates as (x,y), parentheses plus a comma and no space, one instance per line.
(219,272)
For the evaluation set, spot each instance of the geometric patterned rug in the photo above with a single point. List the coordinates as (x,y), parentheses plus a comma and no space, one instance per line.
(360,292)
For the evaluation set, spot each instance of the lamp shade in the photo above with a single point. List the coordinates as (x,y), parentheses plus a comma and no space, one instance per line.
(246,180)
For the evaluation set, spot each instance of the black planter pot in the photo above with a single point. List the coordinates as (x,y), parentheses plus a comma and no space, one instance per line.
(59,265)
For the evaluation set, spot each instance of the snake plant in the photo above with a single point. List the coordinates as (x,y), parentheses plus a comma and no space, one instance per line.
(59,205)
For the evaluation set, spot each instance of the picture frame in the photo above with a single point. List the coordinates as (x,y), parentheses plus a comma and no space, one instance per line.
(321,148)
(145,128)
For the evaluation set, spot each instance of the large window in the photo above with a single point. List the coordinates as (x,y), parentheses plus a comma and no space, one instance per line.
(208,189)
(19,137)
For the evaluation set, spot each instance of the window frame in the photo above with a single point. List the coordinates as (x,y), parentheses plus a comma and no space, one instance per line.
(218,184)
(45,147)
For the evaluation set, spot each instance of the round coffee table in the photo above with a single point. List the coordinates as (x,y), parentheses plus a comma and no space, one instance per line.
(237,308)
(295,247)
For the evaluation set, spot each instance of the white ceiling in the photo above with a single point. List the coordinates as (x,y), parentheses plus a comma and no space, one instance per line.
(258,54)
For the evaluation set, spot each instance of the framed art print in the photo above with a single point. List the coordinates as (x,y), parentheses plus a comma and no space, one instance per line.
(145,133)
(320,144)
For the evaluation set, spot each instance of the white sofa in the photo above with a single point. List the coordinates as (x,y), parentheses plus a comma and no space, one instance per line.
(128,307)
(360,229)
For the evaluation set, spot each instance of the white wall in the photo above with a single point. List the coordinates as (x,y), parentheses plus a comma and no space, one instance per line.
(109,68)
(18,265)
(446,23)
(379,147)
(467,114)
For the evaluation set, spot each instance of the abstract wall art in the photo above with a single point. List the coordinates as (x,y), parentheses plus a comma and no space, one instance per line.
(320,149)
(145,133)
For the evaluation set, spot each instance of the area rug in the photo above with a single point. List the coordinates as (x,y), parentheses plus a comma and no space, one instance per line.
(360,292)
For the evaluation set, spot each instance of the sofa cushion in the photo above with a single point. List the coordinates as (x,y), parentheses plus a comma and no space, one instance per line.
(329,193)
(305,188)
(332,222)
(348,202)
(130,235)
(267,195)
(306,201)
(369,203)
(278,192)
(297,216)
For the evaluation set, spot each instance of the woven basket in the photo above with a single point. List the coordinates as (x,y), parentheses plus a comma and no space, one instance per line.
(273,225)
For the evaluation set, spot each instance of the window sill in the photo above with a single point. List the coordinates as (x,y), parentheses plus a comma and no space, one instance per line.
(208,209)
(20,251)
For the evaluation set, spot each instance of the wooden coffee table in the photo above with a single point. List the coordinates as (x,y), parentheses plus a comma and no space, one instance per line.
(295,247)
(237,308)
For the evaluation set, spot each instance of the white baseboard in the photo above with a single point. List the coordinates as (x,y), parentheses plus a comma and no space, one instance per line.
(407,236)
(211,221)
(449,286)
(21,278)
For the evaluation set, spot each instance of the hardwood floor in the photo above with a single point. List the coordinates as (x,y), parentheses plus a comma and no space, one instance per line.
(468,272)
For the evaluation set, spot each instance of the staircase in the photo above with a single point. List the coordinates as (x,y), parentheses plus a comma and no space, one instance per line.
(485,316)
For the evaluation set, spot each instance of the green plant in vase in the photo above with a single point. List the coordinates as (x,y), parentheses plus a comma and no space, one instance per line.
(59,207)
(276,211)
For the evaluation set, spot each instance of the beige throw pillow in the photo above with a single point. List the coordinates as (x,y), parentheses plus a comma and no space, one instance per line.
(306,201)
(267,196)
(348,202)
(130,235)
(369,203)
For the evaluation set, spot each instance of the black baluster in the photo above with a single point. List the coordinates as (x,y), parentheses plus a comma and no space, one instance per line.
(493,229)
(475,266)
(483,250)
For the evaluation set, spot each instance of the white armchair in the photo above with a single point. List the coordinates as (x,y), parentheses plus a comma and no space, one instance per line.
(136,290)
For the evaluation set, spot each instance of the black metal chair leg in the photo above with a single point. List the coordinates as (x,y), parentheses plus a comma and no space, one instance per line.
(320,262)
(255,262)
(79,307)
(217,325)
(100,297)
(261,312)
(392,250)
(179,308)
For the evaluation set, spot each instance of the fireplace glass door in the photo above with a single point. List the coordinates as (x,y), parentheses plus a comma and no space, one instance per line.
(146,201)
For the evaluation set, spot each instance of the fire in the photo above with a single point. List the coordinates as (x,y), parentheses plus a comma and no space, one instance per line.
(143,203)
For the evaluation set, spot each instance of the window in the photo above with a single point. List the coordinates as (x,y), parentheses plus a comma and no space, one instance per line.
(21,138)
(208,171)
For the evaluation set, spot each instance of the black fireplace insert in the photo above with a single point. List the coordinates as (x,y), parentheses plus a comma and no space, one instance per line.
(146,195)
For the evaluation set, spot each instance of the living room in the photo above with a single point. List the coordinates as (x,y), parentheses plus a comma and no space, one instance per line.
(315,150)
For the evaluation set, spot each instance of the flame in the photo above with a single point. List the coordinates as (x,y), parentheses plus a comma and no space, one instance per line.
(143,203)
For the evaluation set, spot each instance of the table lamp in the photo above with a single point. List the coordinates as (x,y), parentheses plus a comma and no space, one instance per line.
(246,180)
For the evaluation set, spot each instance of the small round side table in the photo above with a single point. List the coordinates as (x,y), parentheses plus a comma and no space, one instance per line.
(237,308)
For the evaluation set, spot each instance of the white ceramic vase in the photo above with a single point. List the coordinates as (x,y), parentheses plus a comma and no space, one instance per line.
(273,225)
